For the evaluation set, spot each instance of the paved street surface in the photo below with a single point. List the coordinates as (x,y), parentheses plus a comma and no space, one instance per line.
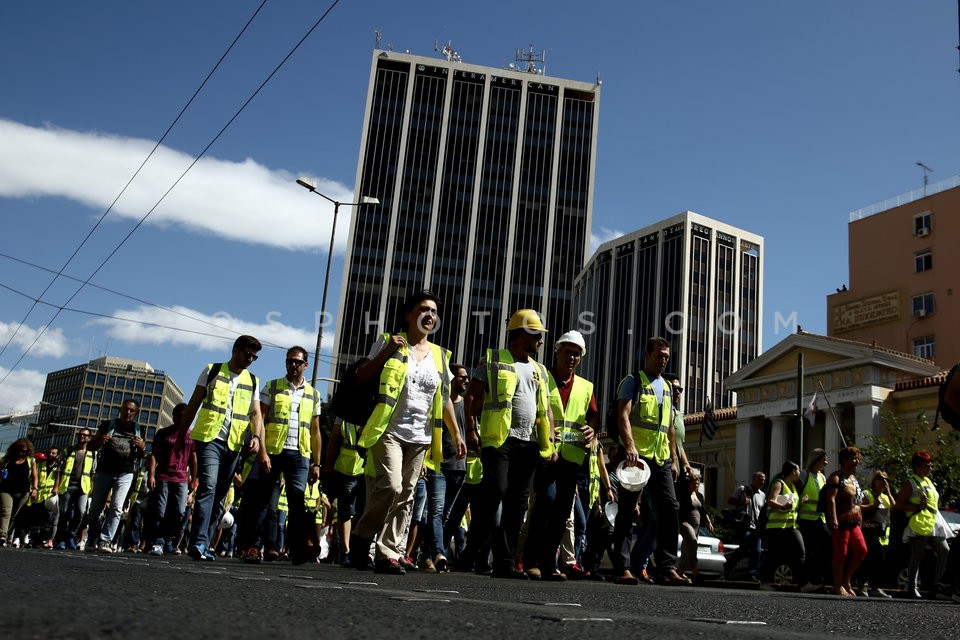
(58,594)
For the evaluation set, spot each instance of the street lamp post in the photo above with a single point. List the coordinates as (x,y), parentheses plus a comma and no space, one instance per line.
(312,187)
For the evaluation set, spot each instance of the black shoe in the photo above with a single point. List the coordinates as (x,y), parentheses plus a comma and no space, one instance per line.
(389,566)
(511,573)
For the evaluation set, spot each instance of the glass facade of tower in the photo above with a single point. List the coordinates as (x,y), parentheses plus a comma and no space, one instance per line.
(690,279)
(485,180)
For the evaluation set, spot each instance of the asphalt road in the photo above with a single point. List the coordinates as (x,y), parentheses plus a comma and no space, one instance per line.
(62,594)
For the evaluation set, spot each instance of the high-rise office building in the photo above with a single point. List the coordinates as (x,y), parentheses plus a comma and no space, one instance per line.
(695,281)
(89,393)
(485,179)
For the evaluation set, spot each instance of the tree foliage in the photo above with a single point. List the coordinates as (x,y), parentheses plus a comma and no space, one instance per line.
(894,451)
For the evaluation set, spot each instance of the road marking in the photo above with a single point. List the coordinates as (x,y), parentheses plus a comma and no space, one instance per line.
(318,586)
(373,584)
(409,599)
(553,604)
(436,591)
(721,621)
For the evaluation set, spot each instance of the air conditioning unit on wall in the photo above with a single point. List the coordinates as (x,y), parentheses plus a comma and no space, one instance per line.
(922,231)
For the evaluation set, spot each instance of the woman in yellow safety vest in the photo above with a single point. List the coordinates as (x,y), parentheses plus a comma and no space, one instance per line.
(413,407)
(876,508)
(918,497)
(784,542)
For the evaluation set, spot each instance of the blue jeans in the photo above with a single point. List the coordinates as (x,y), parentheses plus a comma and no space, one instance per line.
(215,466)
(103,482)
(436,500)
(73,504)
(264,492)
(168,501)
(663,524)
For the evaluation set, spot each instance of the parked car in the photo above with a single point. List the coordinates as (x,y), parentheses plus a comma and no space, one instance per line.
(901,554)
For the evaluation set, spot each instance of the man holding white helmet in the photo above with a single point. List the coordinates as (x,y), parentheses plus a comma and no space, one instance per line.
(576,419)
(509,390)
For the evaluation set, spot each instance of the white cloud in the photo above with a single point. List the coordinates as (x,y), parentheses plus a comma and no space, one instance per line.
(226,199)
(602,234)
(184,327)
(21,390)
(52,343)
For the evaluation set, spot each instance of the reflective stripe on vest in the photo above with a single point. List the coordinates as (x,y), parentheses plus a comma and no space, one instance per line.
(349,462)
(86,481)
(213,410)
(808,510)
(497,413)
(777,519)
(474,469)
(650,422)
(923,521)
(277,421)
(571,418)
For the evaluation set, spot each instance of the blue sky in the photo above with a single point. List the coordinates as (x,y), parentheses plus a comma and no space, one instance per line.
(776,116)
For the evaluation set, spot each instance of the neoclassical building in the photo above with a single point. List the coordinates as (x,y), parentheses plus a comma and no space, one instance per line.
(855,383)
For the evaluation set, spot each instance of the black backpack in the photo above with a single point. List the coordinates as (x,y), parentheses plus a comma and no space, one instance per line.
(354,402)
(944,410)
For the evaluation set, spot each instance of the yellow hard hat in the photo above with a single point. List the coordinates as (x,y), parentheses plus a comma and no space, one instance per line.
(526,319)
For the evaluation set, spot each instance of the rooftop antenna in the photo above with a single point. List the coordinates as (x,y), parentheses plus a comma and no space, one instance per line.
(378,35)
(447,51)
(530,59)
(926,176)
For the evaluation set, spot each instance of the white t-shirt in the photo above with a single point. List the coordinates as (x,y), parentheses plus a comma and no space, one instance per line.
(524,404)
(411,420)
(228,416)
(293,426)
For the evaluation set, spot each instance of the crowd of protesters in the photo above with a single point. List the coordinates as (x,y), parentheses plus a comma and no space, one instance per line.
(497,470)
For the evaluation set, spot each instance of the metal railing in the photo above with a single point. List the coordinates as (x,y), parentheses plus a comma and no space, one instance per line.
(905,198)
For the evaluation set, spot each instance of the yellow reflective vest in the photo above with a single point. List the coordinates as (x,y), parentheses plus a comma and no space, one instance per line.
(86,478)
(922,522)
(213,410)
(569,419)
(276,423)
(497,413)
(884,537)
(650,422)
(349,462)
(392,379)
(812,488)
(474,469)
(46,480)
(777,519)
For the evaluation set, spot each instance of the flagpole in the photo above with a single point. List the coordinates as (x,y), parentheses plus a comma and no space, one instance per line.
(800,400)
(843,440)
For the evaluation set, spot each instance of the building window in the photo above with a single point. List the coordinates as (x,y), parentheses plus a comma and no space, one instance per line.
(923,347)
(119,382)
(922,223)
(924,261)
(922,304)
(87,393)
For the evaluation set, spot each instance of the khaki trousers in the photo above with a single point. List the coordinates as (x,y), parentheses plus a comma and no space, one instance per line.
(390,495)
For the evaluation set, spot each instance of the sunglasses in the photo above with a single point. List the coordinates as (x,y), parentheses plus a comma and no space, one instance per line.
(295,362)
(251,355)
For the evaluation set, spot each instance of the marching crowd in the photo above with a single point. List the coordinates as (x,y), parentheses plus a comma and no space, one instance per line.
(496,469)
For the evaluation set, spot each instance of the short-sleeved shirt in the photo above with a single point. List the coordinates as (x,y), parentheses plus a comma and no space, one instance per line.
(171,466)
(411,420)
(450,461)
(524,402)
(628,390)
(118,455)
(292,440)
(756,501)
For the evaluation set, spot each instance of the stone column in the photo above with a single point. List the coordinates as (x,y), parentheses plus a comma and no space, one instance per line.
(778,442)
(867,416)
(749,454)
(832,441)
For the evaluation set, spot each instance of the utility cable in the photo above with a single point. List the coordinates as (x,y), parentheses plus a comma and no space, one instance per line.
(176,182)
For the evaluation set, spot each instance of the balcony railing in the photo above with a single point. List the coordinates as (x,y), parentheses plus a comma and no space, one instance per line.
(905,198)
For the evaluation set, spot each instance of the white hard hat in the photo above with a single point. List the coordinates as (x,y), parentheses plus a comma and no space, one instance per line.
(573,337)
(226,521)
(51,504)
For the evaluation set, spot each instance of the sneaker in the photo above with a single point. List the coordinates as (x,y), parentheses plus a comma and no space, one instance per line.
(60,546)
(426,565)
(555,576)
(104,549)
(879,593)
(810,587)
(156,550)
(90,548)
(197,551)
(440,563)
(72,544)
(407,563)
(271,555)
(534,573)
(169,548)
(209,556)
(252,556)
(390,566)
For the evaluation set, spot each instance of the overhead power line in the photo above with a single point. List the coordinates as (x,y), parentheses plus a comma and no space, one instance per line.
(167,192)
